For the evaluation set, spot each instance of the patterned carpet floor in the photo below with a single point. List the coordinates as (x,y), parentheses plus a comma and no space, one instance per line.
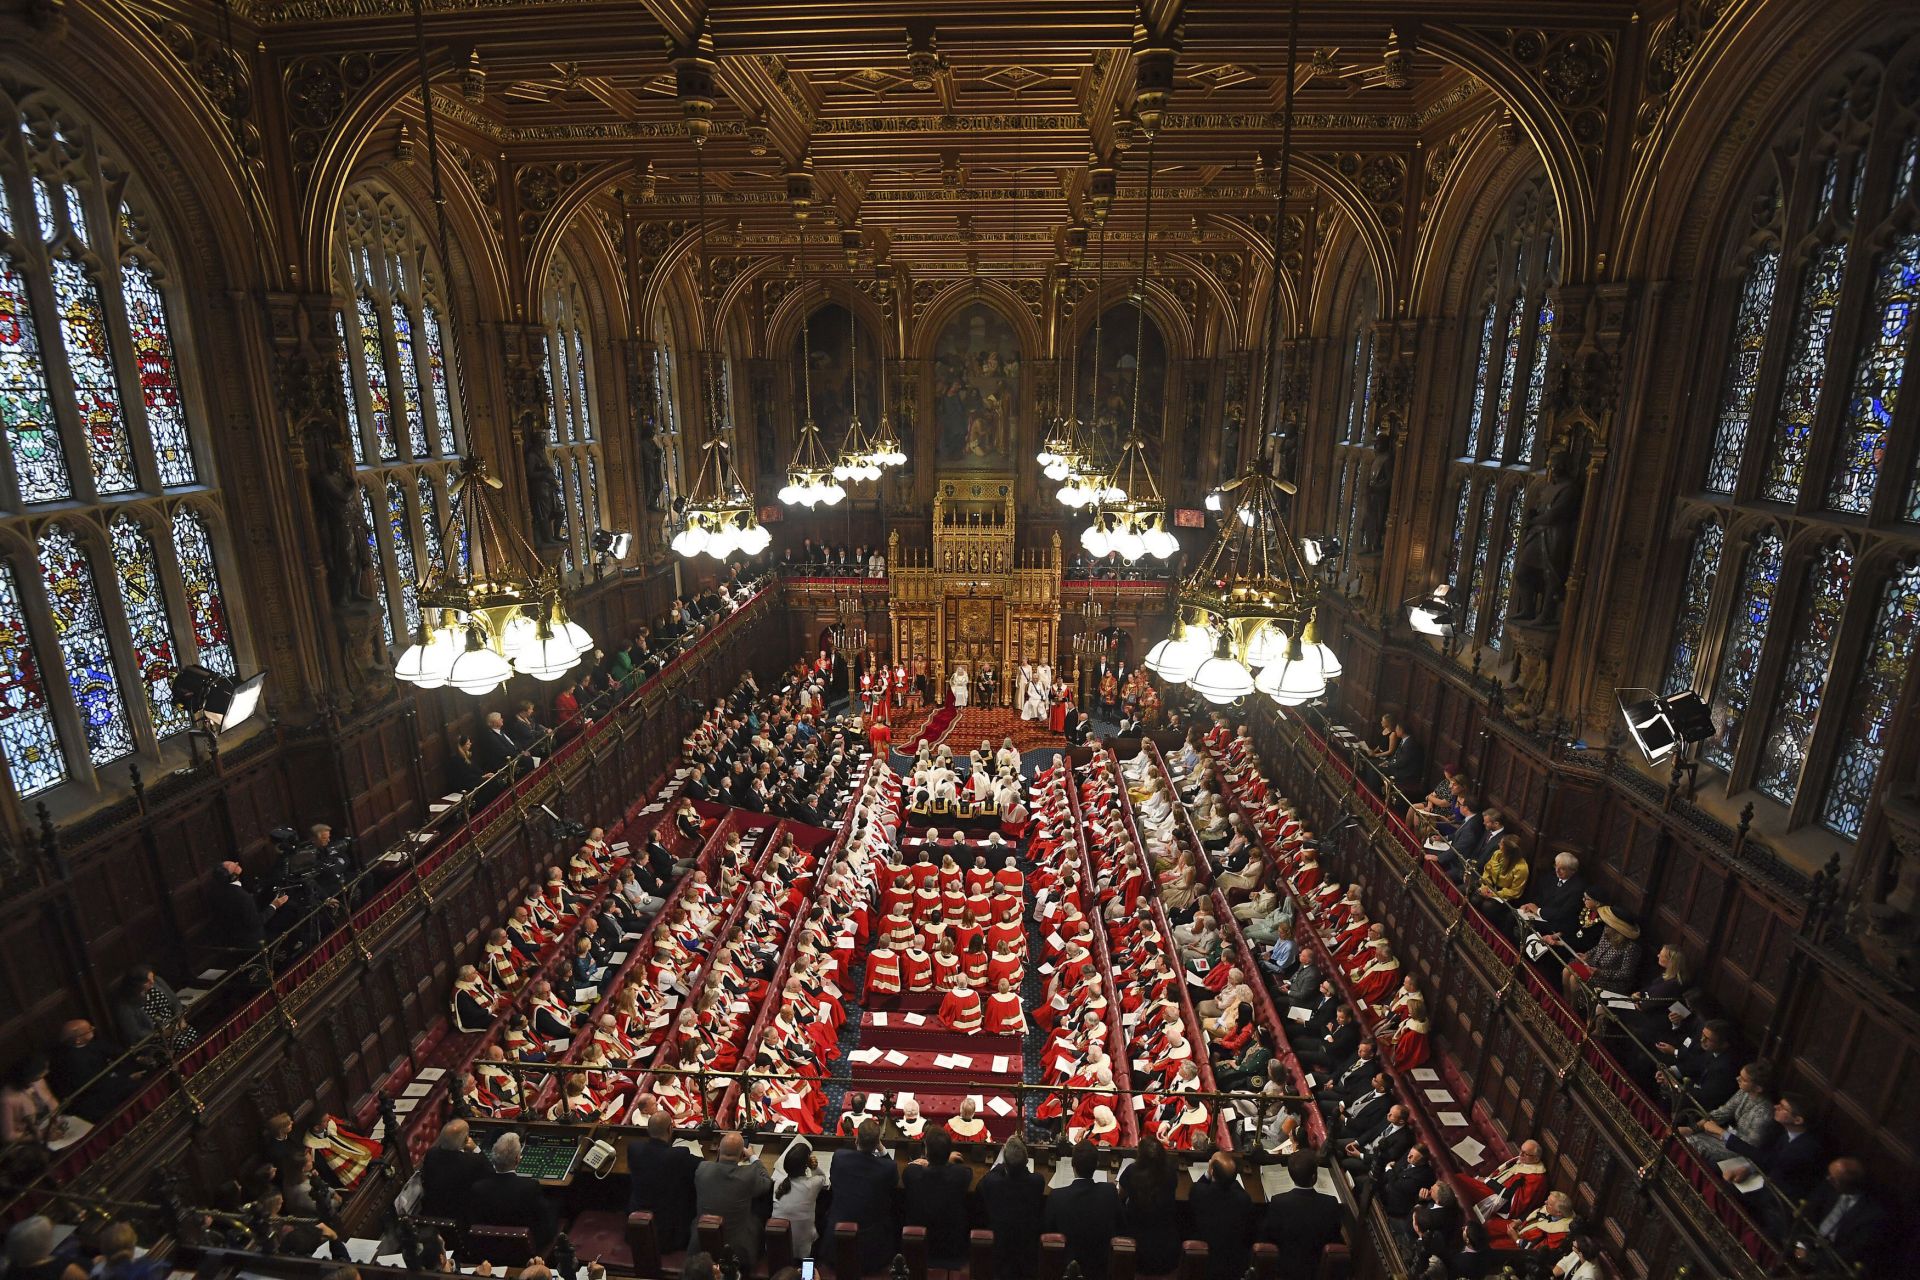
(993,724)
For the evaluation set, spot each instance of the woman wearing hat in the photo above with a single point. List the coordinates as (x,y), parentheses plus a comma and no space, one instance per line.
(1612,962)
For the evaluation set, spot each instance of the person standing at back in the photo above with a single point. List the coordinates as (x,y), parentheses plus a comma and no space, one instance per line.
(1014,1197)
(935,1197)
(660,1182)
(726,1186)
(1302,1222)
(865,1186)
(1086,1212)
(1222,1217)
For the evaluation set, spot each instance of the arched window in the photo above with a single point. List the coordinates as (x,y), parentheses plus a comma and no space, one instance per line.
(402,407)
(1690,626)
(1810,425)
(1353,447)
(102,471)
(1893,639)
(1510,340)
(570,413)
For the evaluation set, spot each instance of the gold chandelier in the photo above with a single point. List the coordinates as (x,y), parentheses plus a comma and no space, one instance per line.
(717,516)
(490,608)
(810,473)
(1246,615)
(1130,515)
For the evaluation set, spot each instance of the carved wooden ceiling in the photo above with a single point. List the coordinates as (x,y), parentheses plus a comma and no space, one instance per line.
(954,138)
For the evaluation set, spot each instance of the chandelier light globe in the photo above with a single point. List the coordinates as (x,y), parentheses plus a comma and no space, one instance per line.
(549,657)
(1222,679)
(1128,542)
(832,494)
(754,538)
(1095,539)
(425,663)
(1294,680)
(572,633)
(1055,467)
(1176,658)
(478,669)
(1214,501)
(690,541)
(1329,661)
(1265,645)
(722,540)
(520,631)
(1161,545)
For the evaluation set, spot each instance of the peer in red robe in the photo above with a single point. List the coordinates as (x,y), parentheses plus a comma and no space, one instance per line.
(961,1011)
(916,969)
(1004,1016)
(883,972)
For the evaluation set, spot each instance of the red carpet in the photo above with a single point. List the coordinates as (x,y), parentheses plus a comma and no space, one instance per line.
(933,730)
(964,731)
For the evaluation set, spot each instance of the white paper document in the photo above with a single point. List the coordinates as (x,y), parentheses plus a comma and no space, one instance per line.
(1424,1074)
(416,1090)
(1000,1064)
(1453,1119)
(1469,1150)
(865,1057)
(895,1058)
(1000,1106)
(914,1019)
(431,1073)
(1439,1095)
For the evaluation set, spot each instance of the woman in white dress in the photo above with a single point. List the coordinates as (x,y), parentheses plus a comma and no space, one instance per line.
(1023,687)
(796,1194)
(958,684)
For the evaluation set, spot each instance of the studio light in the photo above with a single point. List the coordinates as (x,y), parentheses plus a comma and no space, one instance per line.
(612,543)
(217,702)
(1432,614)
(1660,726)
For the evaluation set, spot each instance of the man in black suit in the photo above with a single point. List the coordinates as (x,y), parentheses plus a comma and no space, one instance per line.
(505,1199)
(1369,1151)
(1402,1181)
(934,1196)
(1302,1222)
(449,1171)
(1364,1113)
(660,1182)
(527,733)
(1847,1216)
(1337,1048)
(865,1182)
(1555,906)
(81,1073)
(1707,1069)
(1354,1080)
(1013,1196)
(1222,1217)
(1792,1163)
(239,922)
(1086,1212)
(493,746)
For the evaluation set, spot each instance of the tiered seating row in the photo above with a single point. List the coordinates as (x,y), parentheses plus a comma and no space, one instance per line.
(1116,1032)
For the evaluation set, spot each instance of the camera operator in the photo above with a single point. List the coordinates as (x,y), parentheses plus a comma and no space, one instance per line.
(242,915)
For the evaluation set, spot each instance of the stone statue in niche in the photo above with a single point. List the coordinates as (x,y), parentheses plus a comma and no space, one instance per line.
(544,501)
(345,540)
(652,470)
(1372,534)
(1544,557)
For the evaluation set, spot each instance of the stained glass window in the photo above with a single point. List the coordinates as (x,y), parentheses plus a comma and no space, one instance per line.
(348,399)
(554,429)
(33,437)
(1536,385)
(430,524)
(1797,700)
(579,500)
(1746,637)
(1478,391)
(580,385)
(1503,581)
(403,563)
(1876,376)
(379,566)
(1359,393)
(409,380)
(563,406)
(1690,626)
(81,633)
(28,740)
(1503,423)
(148,621)
(1482,539)
(158,374)
(593,492)
(1742,375)
(437,380)
(1461,509)
(1871,703)
(83,333)
(373,357)
(1806,374)
(206,603)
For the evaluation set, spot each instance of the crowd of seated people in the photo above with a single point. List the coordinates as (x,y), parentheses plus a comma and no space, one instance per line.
(1113,567)
(777,755)
(1722,1096)
(833,560)
(1083,1040)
